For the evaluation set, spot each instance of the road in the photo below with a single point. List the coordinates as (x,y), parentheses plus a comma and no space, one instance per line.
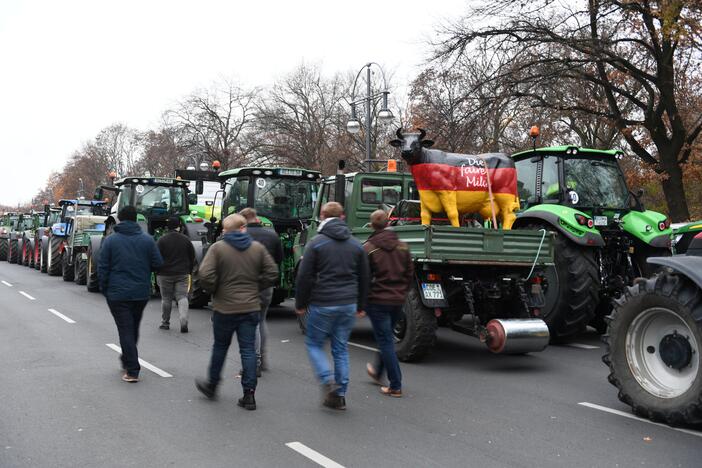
(64,405)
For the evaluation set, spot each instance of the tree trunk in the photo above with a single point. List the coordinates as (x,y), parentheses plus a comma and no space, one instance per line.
(674,191)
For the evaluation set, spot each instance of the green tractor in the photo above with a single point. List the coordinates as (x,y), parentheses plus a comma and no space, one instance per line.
(8,224)
(25,243)
(38,241)
(156,199)
(284,199)
(603,232)
(25,223)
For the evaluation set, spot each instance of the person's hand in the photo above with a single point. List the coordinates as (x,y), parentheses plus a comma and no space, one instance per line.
(300,311)
(360,313)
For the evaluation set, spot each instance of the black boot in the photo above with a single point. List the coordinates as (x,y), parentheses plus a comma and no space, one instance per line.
(206,388)
(248,401)
(331,398)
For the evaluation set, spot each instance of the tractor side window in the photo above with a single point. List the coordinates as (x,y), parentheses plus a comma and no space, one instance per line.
(550,186)
(378,192)
(328,192)
(238,196)
(526,181)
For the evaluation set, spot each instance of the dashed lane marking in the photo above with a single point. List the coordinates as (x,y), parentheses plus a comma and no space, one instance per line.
(581,346)
(145,364)
(363,347)
(313,455)
(631,416)
(27,296)
(61,316)
(7,284)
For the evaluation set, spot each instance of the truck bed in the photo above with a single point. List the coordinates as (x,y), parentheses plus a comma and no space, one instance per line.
(472,246)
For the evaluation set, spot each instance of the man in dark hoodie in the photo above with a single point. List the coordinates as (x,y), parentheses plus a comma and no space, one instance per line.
(270,240)
(174,276)
(127,258)
(392,272)
(332,284)
(235,270)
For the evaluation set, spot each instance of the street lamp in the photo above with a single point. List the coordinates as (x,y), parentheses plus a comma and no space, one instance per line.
(384,115)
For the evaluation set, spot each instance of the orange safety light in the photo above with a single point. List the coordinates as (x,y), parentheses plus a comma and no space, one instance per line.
(392,165)
(179,178)
(112,175)
(534,131)
(216,165)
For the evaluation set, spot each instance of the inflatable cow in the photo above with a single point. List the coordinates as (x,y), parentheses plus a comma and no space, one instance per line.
(459,183)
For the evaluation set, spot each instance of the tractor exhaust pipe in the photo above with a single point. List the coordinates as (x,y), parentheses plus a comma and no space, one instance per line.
(515,336)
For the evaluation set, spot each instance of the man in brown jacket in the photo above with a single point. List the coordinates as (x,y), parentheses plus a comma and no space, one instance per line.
(392,273)
(235,270)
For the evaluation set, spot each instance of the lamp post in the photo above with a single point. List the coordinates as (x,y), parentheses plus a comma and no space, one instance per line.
(384,115)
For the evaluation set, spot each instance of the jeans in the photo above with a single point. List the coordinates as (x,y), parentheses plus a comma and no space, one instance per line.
(335,323)
(383,319)
(262,329)
(127,315)
(173,288)
(224,326)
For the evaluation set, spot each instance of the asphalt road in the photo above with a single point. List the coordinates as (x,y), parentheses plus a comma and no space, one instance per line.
(64,405)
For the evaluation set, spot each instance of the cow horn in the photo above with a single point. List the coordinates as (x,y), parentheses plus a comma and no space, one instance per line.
(422,133)
(399,133)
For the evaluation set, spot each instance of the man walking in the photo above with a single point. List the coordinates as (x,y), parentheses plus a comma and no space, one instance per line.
(127,258)
(332,284)
(271,242)
(235,270)
(391,272)
(174,276)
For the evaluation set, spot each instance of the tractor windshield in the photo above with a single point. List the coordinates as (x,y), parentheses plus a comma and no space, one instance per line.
(595,183)
(284,198)
(155,200)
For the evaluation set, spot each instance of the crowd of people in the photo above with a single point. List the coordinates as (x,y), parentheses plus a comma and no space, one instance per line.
(338,280)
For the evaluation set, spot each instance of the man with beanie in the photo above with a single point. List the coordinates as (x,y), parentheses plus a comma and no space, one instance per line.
(271,242)
(235,270)
(174,276)
(392,272)
(332,284)
(127,258)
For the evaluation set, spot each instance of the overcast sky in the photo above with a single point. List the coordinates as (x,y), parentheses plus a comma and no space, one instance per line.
(70,68)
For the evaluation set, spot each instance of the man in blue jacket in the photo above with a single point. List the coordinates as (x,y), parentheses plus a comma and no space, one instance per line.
(127,258)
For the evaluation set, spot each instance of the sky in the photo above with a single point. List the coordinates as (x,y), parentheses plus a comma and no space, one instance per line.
(70,68)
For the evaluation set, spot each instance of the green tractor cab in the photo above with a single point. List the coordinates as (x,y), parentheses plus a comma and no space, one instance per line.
(603,233)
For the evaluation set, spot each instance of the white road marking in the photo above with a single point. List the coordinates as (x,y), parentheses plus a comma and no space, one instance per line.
(61,316)
(7,284)
(581,346)
(631,416)
(364,347)
(27,296)
(313,455)
(148,365)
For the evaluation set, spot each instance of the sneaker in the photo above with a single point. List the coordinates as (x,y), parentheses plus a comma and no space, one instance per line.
(184,327)
(248,401)
(206,388)
(331,399)
(373,374)
(164,326)
(390,392)
(129,378)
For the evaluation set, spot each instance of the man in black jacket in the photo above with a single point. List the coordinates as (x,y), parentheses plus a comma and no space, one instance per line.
(174,276)
(271,242)
(332,285)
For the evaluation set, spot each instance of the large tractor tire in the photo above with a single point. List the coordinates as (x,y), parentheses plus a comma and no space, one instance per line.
(67,271)
(36,262)
(54,264)
(415,332)
(30,252)
(13,251)
(4,244)
(654,340)
(573,287)
(44,256)
(80,272)
(92,282)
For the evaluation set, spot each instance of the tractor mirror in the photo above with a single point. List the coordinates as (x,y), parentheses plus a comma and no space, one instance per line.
(199,187)
(192,198)
(640,193)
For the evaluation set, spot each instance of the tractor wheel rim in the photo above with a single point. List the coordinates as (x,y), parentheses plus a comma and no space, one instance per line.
(662,353)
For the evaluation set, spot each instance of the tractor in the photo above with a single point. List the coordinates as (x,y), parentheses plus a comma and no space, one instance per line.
(15,236)
(603,232)
(7,225)
(39,240)
(26,241)
(68,243)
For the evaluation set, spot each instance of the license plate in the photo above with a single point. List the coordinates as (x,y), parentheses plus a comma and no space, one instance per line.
(600,220)
(432,291)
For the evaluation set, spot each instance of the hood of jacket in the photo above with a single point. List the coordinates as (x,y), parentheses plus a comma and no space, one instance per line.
(385,239)
(128,228)
(335,228)
(238,240)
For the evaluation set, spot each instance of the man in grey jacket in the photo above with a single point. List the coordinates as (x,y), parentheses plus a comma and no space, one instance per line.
(235,270)
(332,285)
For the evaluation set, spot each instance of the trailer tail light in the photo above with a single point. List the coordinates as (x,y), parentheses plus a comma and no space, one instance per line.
(584,221)
(198,220)
(433,277)
(663,225)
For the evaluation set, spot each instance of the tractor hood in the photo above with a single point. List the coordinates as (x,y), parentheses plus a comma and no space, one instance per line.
(646,227)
